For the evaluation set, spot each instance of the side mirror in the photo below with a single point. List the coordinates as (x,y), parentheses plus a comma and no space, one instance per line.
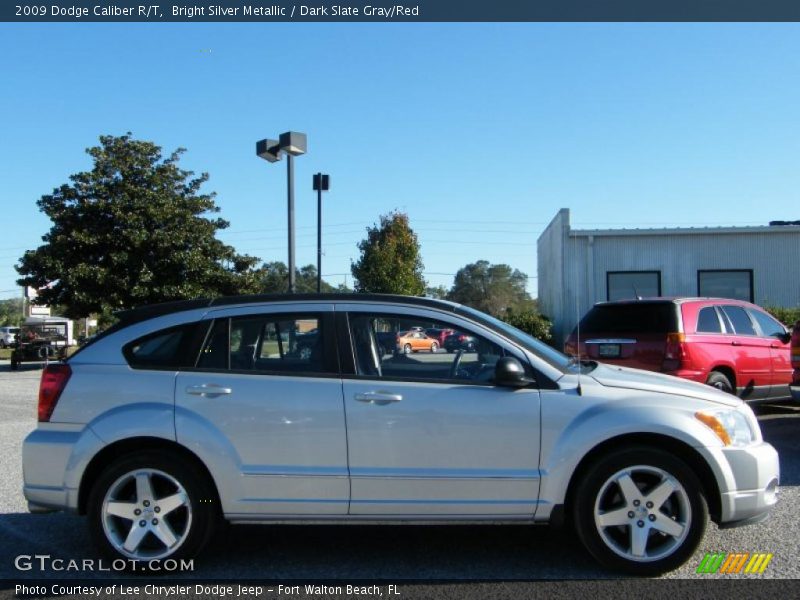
(784,337)
(508,372)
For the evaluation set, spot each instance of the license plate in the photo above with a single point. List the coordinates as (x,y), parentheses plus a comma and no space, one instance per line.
(609,350)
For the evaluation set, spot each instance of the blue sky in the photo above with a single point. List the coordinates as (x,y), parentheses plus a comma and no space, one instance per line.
(481,132)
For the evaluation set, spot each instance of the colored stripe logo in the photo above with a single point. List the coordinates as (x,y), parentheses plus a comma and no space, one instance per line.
(734,562)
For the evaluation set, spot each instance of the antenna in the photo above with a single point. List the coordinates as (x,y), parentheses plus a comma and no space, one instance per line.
(578,317)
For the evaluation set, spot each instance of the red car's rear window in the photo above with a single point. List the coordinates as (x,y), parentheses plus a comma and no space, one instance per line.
(647,317)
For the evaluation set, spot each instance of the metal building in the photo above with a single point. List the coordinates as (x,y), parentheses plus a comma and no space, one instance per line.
(577,268)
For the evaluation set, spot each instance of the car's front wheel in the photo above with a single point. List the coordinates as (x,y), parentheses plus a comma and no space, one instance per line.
(640,510)
(151,506)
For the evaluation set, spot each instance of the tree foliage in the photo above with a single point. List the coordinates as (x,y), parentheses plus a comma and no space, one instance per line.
(787,316)
(274,279)
(390,261)
(493,289)
(131,231)
(439,292)
(11,312)
(531,321)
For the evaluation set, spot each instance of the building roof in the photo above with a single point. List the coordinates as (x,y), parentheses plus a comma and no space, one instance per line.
(685,231)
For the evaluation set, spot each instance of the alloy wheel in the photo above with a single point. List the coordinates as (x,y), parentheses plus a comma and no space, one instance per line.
(146,514)
(642,513)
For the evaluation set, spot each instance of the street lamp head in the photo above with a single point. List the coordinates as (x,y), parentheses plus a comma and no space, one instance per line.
(322,183)
(293,143)
(269,150)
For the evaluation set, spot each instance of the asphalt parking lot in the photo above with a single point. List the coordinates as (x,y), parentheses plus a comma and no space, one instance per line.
(487,552)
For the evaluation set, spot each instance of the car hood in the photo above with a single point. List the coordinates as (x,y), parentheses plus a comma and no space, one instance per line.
(636,379)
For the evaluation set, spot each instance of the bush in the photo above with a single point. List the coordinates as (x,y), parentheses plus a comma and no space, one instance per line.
(532,322)
(787,316)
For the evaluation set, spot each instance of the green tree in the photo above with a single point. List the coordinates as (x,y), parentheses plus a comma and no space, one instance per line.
(787,316)
(493,289)
(132,231)
(531,321)
(390,261)
(439,292)
(11,312)
(274,279)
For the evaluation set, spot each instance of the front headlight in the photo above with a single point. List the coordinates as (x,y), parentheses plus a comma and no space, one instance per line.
(731,426)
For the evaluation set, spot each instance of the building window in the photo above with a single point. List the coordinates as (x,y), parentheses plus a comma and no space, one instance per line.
(736,284)
(626,285)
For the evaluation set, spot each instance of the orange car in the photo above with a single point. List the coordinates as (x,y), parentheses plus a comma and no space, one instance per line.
(413,341)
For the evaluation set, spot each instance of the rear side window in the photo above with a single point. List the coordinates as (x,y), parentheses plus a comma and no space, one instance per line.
(708,321)
(165,349)
(647,317)
(739,319)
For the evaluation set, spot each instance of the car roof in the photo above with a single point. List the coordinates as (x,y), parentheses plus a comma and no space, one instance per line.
(143,313)
(672,300)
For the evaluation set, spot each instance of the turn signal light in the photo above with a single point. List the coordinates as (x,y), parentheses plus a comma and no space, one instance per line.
(716,426)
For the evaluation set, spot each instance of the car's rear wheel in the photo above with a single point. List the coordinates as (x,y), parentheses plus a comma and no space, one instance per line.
(720,381)
(407,349)
(640,510)
(151,506)
(434,347)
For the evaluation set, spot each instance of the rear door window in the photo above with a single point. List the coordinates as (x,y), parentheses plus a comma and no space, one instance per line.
(268,344)
(742,325)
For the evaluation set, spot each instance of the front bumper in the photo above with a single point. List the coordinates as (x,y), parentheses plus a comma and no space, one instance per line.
(752,477)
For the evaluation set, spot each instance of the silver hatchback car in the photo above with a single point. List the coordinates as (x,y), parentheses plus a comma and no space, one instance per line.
(263,409)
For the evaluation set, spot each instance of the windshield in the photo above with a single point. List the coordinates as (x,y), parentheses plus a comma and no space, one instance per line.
(527,341)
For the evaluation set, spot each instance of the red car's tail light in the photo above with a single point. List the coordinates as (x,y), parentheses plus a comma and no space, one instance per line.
(675,349)
(796,346)
(54,380)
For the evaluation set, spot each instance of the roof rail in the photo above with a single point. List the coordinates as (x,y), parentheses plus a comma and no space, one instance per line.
(149,311)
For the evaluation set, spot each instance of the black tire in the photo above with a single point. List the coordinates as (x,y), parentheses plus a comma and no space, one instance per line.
(720,381)
(647,468)
(407,349)
(434,347)
(193,533)
(14,364)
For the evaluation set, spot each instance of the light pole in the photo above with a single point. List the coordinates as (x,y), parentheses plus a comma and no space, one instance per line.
(292,144)
(322,183)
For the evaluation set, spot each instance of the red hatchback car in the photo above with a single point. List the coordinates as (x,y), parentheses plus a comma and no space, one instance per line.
(732,345)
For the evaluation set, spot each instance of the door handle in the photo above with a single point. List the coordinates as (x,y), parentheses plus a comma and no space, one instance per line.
(379,398)
(211,390)
(736,343)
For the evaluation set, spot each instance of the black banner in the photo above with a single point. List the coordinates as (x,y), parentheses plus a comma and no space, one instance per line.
(412,11)
(165,589)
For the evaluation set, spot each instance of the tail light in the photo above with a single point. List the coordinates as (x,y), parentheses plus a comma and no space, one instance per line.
(461,338)
(796,346)
(54,380)
(676,348)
